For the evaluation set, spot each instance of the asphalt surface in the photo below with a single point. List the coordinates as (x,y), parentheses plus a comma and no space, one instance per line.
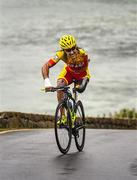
(33,155)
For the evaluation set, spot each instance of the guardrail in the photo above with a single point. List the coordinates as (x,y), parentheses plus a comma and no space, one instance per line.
(29,120)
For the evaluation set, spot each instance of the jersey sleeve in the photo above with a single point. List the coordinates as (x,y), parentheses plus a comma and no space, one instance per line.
(55,59)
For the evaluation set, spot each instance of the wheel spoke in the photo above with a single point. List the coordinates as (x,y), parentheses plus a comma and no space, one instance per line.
(62,128)
(80,127)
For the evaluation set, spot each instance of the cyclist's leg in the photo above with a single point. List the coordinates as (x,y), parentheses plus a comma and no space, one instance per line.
(60,94)
(64,79)
(83,79)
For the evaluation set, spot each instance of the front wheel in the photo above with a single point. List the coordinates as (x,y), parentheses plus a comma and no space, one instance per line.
(63,130)
(79,126)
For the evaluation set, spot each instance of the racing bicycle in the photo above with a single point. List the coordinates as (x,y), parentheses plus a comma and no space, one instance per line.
(72,110)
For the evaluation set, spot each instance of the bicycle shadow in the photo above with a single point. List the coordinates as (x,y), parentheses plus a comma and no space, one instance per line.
(68,164)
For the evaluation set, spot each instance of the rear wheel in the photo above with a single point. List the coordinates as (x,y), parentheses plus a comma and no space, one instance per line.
(63,132)
(79,128)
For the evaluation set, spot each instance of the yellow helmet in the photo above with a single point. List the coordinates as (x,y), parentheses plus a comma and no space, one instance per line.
(67,42)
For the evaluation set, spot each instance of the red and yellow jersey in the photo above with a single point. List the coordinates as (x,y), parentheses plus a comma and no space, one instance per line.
(76,63)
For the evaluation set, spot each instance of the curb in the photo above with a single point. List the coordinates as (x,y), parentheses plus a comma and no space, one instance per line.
(14,130)
(18,130)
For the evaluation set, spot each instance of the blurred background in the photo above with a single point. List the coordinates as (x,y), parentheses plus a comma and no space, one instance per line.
(29,35)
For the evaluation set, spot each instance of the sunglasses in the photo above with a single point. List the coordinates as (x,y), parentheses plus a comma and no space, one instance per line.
(71,49)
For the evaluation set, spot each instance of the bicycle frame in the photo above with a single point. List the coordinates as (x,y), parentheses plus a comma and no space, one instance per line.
(71,96)
(75,125)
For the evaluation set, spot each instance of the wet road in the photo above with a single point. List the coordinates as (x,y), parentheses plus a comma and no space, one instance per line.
(33,155)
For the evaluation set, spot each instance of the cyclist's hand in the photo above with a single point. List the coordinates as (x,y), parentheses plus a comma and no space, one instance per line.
(48,86)
(48,89)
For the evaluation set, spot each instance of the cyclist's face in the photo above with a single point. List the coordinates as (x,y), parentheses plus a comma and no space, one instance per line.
(71,51)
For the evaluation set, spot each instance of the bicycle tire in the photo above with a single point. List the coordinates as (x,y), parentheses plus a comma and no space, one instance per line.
(63,132)
(79,128)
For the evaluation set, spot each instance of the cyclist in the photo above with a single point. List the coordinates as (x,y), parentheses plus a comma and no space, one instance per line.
(76,66)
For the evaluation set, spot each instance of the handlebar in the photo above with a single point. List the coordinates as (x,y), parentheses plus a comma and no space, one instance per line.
(53,89)
(63,88)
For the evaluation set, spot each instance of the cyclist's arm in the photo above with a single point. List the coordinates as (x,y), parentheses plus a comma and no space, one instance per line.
(51,62)
(81,88)
(45,68)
